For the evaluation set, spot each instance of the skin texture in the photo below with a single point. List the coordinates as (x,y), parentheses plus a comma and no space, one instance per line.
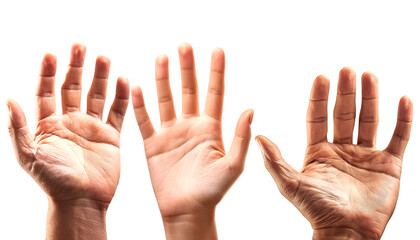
(346,191)
(74,157)
(188,165)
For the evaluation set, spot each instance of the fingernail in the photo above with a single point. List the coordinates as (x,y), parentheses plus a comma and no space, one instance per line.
(259,144)
(251,117)
(264,154)
(9,107)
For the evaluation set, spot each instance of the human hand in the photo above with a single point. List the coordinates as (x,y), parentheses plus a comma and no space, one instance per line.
(188,165)
(344,190)
(74,157)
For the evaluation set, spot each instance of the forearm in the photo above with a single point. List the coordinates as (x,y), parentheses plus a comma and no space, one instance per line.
(79,219)
(200,226)
(340,234)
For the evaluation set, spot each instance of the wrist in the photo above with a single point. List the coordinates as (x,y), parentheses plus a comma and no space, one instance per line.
(341,233)
(198,225)
(76,219)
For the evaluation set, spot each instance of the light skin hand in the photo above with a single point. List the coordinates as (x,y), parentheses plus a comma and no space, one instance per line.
(188,165)
(346,191)
(74,157)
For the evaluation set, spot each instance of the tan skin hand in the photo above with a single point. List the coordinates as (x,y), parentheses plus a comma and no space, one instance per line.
(189,168)
(74,155)
(344,189)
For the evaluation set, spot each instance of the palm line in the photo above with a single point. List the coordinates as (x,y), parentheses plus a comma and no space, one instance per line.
(185,143)
(311,160)
(76,139)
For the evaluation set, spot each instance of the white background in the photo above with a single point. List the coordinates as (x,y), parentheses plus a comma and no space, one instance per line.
(274,50)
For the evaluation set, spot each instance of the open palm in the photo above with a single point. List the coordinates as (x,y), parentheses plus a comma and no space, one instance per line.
(189,168)
(344,187)
(74,155)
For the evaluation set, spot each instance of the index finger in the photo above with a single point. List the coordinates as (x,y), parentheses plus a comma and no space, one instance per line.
(45,94)
(216,90)
(402,131)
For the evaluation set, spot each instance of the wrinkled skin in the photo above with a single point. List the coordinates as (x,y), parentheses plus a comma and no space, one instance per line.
(188,165)
(72,156)
(344,189)
(76,156)
(341,185)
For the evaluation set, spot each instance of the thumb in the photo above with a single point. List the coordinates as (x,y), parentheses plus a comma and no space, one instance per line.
(22,139)
(239,148)
(286,177)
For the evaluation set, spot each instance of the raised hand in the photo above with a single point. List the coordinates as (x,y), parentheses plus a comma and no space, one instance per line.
(74,157)
(346,191)
(189,168)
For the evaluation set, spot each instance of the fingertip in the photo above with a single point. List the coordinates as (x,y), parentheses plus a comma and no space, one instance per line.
(123,80)
(77,57)
(369,80)
(250,116)
(185,49)
(368,76)
(49,59)
(243,128)
(247,116)
(103,61)
(346,71)
(186,56)
(49,65)
(136,90)
(369,85)
(347,81)
(406,101)
(268,148)
(78,48)
(162,60)
(405,109)
(123,88)
(161,70)
(258,139)
(322,81)
(218,52)
(17,117)
(137,96)
(218,60)
(102,67)
(321,87)
(262,139)
(9,103)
